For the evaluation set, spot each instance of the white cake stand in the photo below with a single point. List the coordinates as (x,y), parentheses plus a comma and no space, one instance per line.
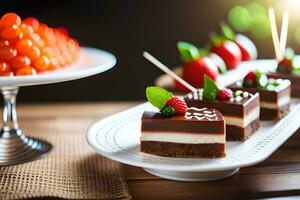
(15,146)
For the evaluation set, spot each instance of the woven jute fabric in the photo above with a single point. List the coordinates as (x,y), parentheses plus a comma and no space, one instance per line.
(72,170)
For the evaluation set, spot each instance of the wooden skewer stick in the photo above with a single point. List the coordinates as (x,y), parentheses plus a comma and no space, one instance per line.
(165,69)
(274,33)
(284,31)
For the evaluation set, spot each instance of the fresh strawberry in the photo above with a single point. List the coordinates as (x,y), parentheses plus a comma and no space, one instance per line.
(250,80)
(247,47)
(178,104)
(285,66)
(224,94)
(219,62)
(194,71)
(229,52)
(196,65)
(181,87)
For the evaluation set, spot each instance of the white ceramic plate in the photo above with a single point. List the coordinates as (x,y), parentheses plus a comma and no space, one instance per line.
(92,61)
(118,138)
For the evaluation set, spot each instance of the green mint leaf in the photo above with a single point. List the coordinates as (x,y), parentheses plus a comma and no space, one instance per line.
(188,52)
(210,89)
(262,79)
(158,96)
(227,31)
(296,71)
(216,39)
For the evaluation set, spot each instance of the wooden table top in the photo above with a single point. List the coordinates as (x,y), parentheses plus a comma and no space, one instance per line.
(277,176)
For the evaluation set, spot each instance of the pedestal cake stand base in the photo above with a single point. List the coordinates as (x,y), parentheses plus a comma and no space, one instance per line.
(16,148)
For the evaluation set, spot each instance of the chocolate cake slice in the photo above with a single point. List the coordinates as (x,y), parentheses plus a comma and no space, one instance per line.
(275,97)
(288,68)
(293,78)
(241,112)
(199,133)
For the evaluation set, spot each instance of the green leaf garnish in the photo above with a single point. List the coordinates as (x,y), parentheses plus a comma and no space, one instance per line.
(188,52)
(216,39)
(227,31)
(158,96)
(210,89)
(262,79)
(296,71)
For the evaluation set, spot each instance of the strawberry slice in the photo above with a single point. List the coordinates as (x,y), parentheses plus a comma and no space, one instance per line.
(229,52)
(247,47)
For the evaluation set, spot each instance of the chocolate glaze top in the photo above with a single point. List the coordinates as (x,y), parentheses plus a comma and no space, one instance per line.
(192,114)
(194,96)
(238,106)
(268,94)
(282,85)
(295,79)
(195,120)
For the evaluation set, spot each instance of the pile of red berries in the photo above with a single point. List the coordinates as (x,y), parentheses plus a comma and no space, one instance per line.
(28,47)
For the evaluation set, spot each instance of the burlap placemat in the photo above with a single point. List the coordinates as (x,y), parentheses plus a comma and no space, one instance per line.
(72,170)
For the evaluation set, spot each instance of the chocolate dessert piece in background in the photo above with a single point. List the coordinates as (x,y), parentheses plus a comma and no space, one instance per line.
(241,112)
(198,133)
(275,97)
(295,81)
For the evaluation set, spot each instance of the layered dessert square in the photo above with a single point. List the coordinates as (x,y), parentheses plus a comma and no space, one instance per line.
(241,112)
(288,68)
(293,78)
(275,94)
(200,132)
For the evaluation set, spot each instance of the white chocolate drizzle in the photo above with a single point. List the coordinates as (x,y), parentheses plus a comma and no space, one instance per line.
(201,114)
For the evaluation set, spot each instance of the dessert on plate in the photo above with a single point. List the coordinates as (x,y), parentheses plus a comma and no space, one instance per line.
(275,94)
(28,47)
(288,68)
(239,108)
(180,131)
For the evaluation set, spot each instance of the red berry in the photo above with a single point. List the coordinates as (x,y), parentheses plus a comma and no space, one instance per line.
(285,66)
(11,33)
(250,80)
(19,62)
(178,104)
(194,71)
(63,31)
(7,53)
(4,67)
(229,52)
(25,71)
(31,21)
(224,94)
(10,19)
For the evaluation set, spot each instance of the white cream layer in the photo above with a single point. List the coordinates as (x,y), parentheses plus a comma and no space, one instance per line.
(188,138)
(281,102)
(243,122)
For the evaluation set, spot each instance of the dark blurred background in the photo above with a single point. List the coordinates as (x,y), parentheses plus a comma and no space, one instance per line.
(127,28)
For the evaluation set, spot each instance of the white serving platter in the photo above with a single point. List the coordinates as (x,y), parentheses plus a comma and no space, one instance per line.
(118,138)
